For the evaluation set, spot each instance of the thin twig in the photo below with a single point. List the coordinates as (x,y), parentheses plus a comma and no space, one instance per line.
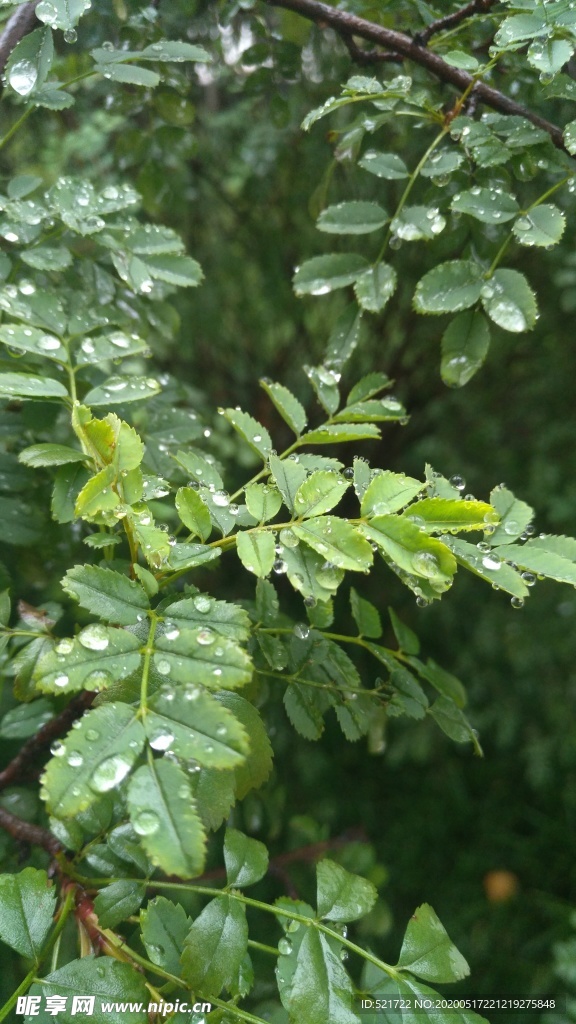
(451,20)
(18,25)
(24,832)
(56,727)
(349,25)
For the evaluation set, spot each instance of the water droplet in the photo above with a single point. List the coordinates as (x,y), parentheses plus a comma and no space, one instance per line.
(161,740)
(425,564)
(310,602)
(61,681)
(422,602)
(171,632)
(458,482)
(491,562)
(70,35)
(202,603)
(529,578)
(301,630)
(75,759)
(92,735)
(205,637)
(288,539)
(221,499)
(145,823)
(94,637)
(109,773)
(285,947)
(163,667)
(57,749)
(517,602)
(64,646)
(22,77)
(280,566)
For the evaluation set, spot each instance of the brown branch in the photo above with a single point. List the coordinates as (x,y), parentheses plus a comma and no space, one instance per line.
(18,25)
(349,25)
(53,729)
(369,56)
(451,20)
(23,831)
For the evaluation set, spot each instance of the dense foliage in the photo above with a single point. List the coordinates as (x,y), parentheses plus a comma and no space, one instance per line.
(195,589)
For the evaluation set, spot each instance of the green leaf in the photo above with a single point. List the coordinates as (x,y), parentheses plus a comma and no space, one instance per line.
(175,50)
(253,432)
(165,926)
(262,501)
(443,681)
(366,616)
(28,387)
(489,566)
(319,493)
(117,390)
(163,813)
(62,14)
(369,386)
(118,901)
(519,27)
(198,467)
(130,73)
(465,345)
(182,271)
(290,409)
(336,433)
(201,657)
(570,137)
(417,222)
(256,551)
(93,759)
(47,257)
(194,726)
(27,905)
(26,719)
(29,62)
(325,384)
(443,162)
(427,950)
(103,977)
(337,541)
(257,766)
(193,512)
(288,475)
(449,287)
(37,455)
(342,896)
(375,287)
(32,339)
(305,709)
(539,557)
(107,593)
(383,165)
(549,55)
(343,338)
(515,516)
(411,550)
(444,514)
(406,637)
(313,984)
(201,610)
(246,859)
(98,657)
(542,226)
(509,301)
(323,274)
(354,218)
(115,345)
(489,205)
(388,492)
(310,574)
(215,945)
(451,719)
